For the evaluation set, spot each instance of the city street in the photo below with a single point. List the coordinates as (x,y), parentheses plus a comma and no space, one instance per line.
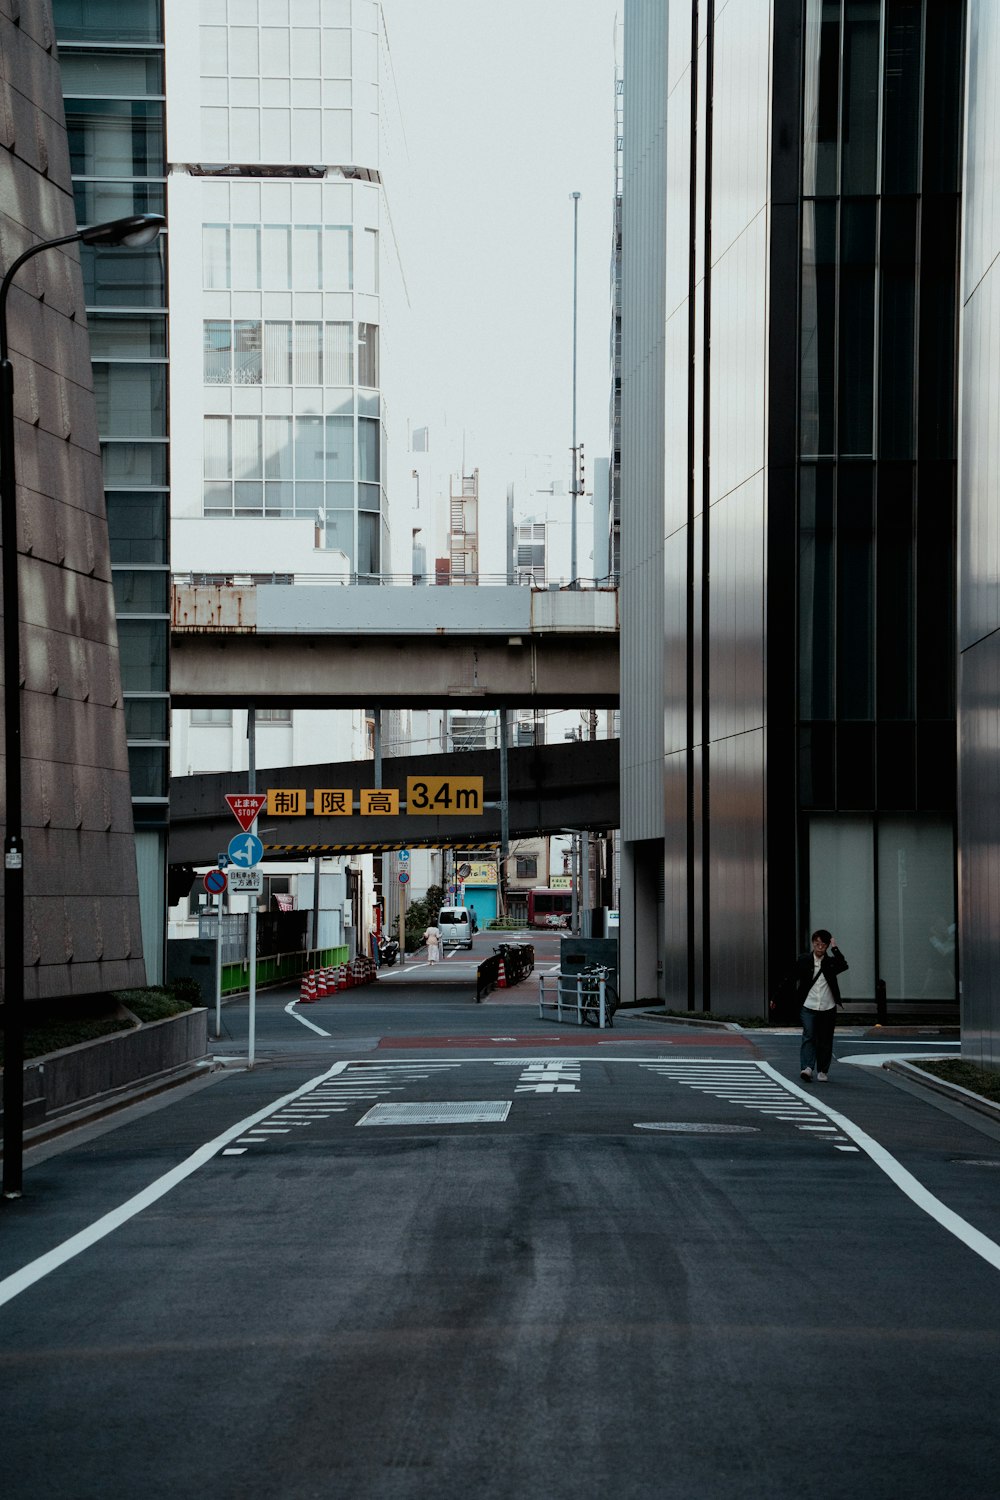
(450,1249)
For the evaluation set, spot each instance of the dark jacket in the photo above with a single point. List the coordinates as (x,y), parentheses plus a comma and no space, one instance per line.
(832,964)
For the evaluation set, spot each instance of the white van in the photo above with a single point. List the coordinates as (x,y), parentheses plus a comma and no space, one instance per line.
(455,925)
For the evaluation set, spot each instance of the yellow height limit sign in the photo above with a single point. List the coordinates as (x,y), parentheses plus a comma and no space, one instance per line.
(443,796)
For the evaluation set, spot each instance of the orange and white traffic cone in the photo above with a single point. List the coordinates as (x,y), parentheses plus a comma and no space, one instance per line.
(307,991)
(501,977)
(331,981)
(321,989)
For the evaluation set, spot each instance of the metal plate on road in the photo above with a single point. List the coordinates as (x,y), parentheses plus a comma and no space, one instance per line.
(687,1127)
(445,1112)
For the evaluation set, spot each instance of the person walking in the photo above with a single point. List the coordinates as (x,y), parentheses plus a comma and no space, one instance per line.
(432,937)
(818,994)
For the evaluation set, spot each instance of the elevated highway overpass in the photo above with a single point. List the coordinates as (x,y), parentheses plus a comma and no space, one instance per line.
(342,645)
(550,787)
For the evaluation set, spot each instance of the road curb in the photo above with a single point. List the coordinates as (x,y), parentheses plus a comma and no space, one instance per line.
(102,1105)
(935,1085)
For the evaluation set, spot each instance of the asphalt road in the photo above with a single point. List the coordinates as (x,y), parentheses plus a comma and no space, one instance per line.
(451,1250)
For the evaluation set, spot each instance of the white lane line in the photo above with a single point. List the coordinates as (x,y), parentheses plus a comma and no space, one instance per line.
(19,1281)
(976,1241)
(291,1011)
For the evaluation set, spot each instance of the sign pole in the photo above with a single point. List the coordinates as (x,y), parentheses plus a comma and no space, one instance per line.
(402,925)
(221,903)
(252,910)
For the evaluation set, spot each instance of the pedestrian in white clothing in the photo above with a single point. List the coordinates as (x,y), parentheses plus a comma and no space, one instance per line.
(432,937)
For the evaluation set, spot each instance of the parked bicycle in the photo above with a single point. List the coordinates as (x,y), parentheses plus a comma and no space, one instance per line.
(590,995)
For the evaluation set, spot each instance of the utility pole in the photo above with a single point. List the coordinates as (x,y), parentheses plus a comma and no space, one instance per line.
(575,471)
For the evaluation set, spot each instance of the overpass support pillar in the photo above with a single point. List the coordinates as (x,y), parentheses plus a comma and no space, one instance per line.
(640,933)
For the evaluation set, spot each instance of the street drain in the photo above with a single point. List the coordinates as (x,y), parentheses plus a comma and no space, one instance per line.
(686,1127)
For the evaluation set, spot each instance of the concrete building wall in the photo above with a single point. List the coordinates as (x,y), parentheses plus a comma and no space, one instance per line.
(82,925)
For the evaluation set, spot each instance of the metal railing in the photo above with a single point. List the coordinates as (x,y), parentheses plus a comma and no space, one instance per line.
(574,995)
(387,580)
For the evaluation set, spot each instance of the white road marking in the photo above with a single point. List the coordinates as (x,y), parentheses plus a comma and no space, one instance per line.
(19,1281)
(973,1238)
(876,1059)
(291,1011)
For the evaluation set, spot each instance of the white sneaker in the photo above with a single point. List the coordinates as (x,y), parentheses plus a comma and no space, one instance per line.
(820,1077)
(807,1074)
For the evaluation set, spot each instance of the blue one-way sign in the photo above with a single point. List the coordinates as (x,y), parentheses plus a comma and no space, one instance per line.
(246,850)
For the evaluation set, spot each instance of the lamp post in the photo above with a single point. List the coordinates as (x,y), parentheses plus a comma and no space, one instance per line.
(574,488)
(135,231)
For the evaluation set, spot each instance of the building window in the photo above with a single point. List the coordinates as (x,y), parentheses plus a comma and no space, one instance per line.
(202,717)
(526,867)
(368,354)
(273,715)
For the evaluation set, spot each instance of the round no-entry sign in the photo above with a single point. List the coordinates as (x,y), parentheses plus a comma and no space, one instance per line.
(216,882)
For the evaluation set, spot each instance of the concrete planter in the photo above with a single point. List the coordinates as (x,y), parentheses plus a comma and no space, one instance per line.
(61,1082)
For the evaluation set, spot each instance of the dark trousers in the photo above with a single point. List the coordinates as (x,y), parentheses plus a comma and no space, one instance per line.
(817,1039)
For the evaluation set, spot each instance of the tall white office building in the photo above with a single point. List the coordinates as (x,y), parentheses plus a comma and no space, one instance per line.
(285,282)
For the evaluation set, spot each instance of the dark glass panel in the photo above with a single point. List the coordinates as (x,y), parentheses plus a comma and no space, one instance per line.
(119,277)
(936,766)
(855,766)
(138,592)
(150,814)
(816,608)
(859,146)
(855,615)
(143,645)
(901,105)
(137,526)
(894,594)
(115,137)
(897,327)
(368,542)
(148,771)
(819,328)
(821,98)
(935,608)
(105,72)
(938,310)
(131,464)
(857,323)
(123,337)
(943,63)
(131,399)
(896,771)
(96,202)
(816,762)
(107,20)
(147,718)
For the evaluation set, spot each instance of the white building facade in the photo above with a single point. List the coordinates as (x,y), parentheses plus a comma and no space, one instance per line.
(283,264)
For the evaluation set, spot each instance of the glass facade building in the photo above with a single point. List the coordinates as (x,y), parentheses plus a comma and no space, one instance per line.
(803,536)
(112,66)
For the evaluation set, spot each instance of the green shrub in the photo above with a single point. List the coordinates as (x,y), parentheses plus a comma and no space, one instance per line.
(154,1003)
(52,1036)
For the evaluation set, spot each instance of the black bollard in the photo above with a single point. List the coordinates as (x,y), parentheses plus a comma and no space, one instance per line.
(881,1008)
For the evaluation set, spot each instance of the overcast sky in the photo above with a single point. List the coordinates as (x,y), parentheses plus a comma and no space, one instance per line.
(507,108)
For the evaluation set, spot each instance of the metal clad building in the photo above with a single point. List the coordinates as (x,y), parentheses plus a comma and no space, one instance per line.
(789,449)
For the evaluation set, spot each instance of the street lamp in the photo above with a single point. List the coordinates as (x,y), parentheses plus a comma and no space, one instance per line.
(134,231)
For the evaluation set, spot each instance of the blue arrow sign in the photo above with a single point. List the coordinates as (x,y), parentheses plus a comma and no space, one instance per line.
(246,850)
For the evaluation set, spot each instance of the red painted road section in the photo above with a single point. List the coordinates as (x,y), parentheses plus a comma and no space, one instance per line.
(578,1038)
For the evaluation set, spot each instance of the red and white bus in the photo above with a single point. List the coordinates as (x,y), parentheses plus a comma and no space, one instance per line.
(549,908)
